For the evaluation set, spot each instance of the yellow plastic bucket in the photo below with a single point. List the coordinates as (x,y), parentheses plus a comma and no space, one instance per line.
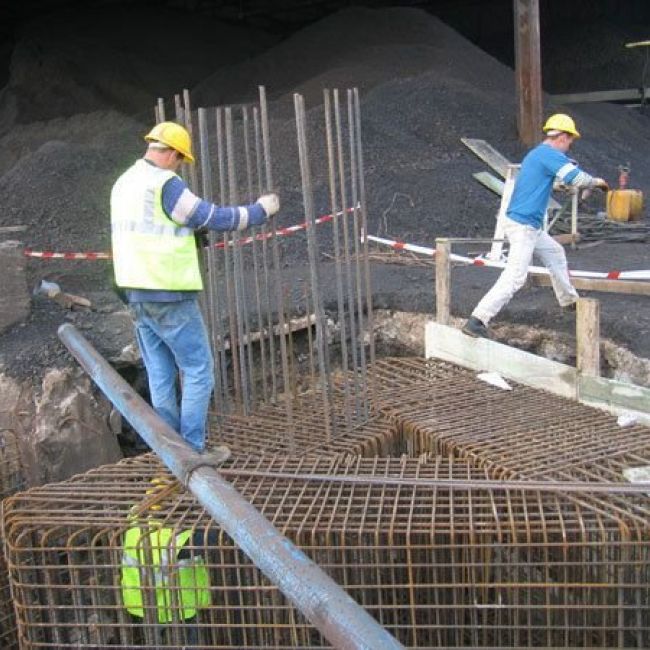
(624,205)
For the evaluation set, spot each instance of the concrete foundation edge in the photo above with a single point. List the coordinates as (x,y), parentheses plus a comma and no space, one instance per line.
(450,344)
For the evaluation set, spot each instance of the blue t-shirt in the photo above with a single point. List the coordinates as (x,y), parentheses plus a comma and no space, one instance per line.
(534,183)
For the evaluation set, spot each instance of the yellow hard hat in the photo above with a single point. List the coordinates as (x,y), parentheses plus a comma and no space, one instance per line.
(561,122)
(174,136)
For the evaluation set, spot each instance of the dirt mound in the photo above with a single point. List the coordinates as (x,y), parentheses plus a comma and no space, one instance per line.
(356,46)
(74,62)
(61,189)
(593,56)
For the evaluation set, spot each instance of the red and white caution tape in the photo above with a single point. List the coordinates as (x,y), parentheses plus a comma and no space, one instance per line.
(50,255)
(281,232)
(536,270)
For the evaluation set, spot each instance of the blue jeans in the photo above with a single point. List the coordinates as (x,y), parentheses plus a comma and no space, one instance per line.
(172,336)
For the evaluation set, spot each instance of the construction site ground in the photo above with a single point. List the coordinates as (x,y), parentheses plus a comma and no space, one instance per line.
(423,88)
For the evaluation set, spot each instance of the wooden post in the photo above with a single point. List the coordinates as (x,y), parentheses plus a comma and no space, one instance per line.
(443,280)
(588,337)
(528,70)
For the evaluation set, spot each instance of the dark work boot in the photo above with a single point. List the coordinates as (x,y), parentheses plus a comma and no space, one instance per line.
(476,328)
(570,308)
(216,455)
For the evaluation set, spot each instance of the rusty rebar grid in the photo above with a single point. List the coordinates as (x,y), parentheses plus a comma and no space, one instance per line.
(438,567)
(12,479)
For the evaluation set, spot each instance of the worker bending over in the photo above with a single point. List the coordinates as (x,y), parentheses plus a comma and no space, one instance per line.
(154,216)
(523,226)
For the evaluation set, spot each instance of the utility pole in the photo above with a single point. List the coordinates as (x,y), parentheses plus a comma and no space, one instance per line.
(528,70)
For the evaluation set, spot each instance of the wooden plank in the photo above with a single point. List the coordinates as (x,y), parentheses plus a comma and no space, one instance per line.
(443,280)
(567,238)
(628,287)
(632,94)
(528,70)
(588,337)
(488,154)
(490,181)
(450,344)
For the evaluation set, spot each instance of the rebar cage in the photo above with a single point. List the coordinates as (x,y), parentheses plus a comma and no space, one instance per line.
(353,466)
(12,479)
(438,565)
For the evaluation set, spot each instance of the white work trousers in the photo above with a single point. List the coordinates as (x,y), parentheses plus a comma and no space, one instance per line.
(524,242)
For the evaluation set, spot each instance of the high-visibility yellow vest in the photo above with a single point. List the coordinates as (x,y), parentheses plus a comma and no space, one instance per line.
(150,555)
(150,251)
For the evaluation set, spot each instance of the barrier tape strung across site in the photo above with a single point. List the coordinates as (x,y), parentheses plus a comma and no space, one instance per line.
(280,232)
(536,270)
(286,231)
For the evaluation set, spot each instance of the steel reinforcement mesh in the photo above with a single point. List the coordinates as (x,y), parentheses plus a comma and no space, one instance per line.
(436,565)
(522,432)
(12,479)
(270,431)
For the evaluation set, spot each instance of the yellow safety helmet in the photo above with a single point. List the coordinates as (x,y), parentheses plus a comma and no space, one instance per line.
(561,122)
(174,136)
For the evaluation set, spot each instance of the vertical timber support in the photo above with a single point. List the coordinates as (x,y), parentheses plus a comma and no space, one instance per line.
(443,280)
(588,337)
(528,70)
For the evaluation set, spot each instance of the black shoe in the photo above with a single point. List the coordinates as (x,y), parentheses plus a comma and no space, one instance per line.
(476,328)
(570,308)
(216,455)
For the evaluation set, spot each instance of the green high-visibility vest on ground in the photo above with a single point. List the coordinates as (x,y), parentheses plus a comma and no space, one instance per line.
(150,251)
(181,587)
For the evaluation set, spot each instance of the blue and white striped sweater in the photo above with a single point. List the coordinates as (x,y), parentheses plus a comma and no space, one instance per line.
(534,184)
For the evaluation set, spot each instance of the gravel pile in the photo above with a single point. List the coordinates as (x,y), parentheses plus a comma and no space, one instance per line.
(77,122)
(590,57)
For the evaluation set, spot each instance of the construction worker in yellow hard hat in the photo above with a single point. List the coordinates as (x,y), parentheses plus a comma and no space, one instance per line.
(523,224)
(154,216)
(173,136)
(164,577)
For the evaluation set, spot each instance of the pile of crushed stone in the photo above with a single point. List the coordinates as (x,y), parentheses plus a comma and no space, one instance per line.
(423,87)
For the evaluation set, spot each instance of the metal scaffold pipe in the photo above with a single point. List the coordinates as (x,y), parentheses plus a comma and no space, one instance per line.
(343,622)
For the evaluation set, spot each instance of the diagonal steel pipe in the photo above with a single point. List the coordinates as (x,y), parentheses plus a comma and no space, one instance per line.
(342,621)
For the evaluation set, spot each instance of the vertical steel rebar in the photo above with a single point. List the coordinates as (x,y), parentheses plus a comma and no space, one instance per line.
(255,251)
(228,271)
(178,106)
(364,226)
(179,114)
(265,260)
(161,109)
(331,169)
(187,113)
(242,260)
(346,248)
(310,338)
(357,253)
(237,270)
(212,294)
(276,260)
(312,249)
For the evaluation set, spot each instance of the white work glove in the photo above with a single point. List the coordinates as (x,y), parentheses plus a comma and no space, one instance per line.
(600,183)
(270,203)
